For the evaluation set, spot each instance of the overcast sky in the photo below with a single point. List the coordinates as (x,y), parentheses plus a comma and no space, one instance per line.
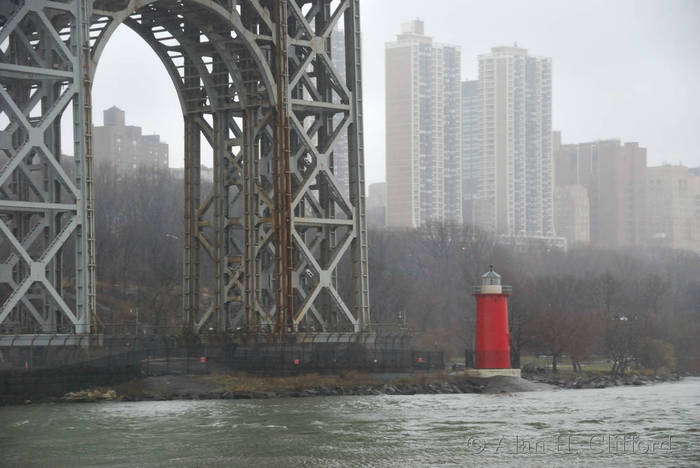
(627,69)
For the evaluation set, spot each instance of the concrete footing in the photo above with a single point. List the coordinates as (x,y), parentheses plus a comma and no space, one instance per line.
(486,373)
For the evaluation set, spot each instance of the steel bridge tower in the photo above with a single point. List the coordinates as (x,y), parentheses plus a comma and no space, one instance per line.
(283,246)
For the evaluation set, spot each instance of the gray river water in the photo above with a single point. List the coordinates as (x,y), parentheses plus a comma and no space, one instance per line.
(655,425)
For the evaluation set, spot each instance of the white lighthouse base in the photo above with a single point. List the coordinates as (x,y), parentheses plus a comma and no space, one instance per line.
(486,373)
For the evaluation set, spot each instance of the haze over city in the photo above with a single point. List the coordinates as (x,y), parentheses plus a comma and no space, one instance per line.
(624,69)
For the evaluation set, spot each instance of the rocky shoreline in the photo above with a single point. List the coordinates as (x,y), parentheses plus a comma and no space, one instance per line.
(598,380)
(188,387)
(179,388)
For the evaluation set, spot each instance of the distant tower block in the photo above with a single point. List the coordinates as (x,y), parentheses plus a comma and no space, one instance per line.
(492,348)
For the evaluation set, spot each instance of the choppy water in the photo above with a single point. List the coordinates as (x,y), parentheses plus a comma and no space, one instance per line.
(657,425)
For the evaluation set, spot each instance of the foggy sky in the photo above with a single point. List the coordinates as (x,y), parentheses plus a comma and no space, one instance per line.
(625,69)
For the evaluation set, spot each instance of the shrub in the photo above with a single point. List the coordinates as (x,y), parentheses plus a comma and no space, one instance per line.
(656,354)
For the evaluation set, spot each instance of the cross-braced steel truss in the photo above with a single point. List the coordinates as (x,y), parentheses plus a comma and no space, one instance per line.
(275,235)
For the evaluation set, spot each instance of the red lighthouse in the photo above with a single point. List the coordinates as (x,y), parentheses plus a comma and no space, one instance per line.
(492,344)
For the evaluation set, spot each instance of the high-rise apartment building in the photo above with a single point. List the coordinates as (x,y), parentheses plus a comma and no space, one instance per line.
(471,147)
(673,207)
(516,176)
(572,215)
(615,176)
(124,146)
(423,157)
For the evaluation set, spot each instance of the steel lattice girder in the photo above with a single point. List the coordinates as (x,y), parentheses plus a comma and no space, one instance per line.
(43,69)
(262,92)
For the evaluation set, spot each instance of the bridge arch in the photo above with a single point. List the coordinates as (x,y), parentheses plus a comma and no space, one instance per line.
(256,80)
(191,31)
(223,79)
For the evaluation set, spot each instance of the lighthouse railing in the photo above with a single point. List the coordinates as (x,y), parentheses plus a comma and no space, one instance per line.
(504,290)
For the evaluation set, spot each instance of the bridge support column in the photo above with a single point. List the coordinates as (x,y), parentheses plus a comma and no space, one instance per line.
(220,219)
(45,66)
(356,164)
(192,203)
(258,81)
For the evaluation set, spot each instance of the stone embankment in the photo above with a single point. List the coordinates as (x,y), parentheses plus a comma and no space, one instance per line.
(96,394)
(185,393)
(27,385)
(398,389)
(194,388)
(597,380)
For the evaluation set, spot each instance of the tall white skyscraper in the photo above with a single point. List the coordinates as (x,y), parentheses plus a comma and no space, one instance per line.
(471,148)
(516,177)
(423,126)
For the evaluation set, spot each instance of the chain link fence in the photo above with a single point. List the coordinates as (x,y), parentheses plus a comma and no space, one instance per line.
(161,355)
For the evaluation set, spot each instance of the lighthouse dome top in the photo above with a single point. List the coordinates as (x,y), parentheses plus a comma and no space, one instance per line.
(490,277)
(491,284)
